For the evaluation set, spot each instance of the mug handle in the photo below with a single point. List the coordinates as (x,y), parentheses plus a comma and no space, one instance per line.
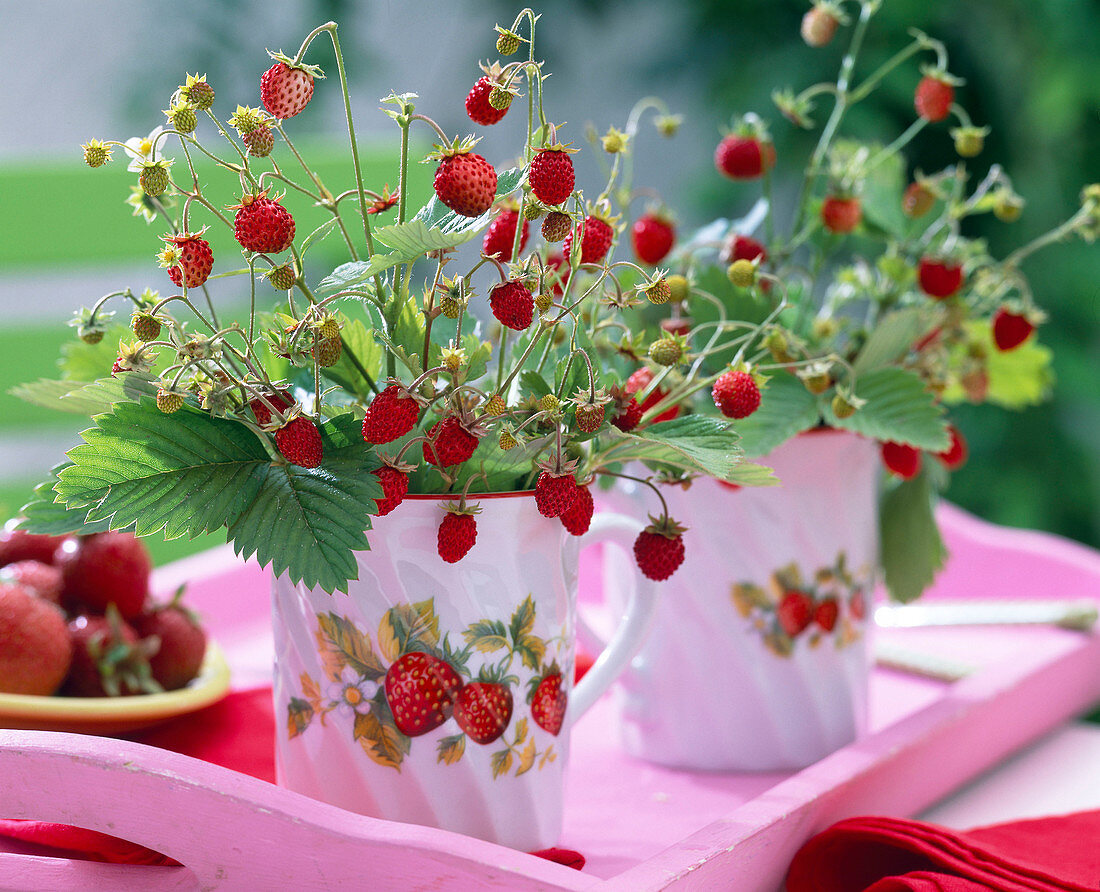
(636,621)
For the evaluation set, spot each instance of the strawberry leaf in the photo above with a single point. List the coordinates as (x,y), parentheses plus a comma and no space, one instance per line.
(189,473)
(46,515)
(899,408)
(86,398)
(786,408)
(911,548)
(892,337)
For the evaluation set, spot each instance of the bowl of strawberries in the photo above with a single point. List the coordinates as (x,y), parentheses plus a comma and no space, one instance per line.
(83,646)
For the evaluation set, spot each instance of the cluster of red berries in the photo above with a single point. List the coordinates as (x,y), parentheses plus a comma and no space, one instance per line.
(904,459)
(76,619)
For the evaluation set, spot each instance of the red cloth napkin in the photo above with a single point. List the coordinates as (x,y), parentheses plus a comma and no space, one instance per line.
(875,854)
(238,733)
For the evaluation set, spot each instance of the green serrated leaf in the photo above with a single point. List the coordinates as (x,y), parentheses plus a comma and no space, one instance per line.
(317,236)
(44,515)
(786,409)
(899,407)
(88,362)
(532,382)
(911,548)
(891,338)
(881,195)
(87,398)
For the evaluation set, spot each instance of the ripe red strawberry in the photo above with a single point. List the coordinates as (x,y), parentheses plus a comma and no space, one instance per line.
(652,236)
(939,278)
(299,442)
(629,414)
(596,236)
(106,568)
(933,98)
(551,176)
(41,580)
(17,545)
(577,518)
(659,550)
(395,486)
(555,493)
(501,235)
(548,704)
(556,272)
(262,224)
(512,304)
(1010,329)
(841,214)
(477,103)
(918,200)
(826,613)
(637,382)
(195,260)
(466,183)
(421,691)
(744,247)
(391,414)
(744,157)
(736,394)
(281,401)
(285,90)
(795,612)
(182,644)
(901,459)
(483,710)
(954,456)
(108,659)
(456,536)
(35,650)
(448,443)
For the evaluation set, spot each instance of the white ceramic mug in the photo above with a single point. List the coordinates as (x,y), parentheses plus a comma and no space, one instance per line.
(759,657)
(442,694)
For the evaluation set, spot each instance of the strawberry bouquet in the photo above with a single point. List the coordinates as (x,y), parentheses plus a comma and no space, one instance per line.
(340,388)
(865,306)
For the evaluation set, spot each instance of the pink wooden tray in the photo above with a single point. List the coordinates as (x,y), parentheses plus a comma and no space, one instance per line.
(641,827)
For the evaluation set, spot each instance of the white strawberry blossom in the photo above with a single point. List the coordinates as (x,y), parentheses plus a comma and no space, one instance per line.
(141,149)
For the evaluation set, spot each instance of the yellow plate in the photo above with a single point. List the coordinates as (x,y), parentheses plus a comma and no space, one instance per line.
(117,715)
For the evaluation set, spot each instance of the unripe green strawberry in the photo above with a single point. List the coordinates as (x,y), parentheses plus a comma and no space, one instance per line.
(90,334)
(533,210)
(282,278)
(544,301)
(169,401)
(666,351)
(198,92)
(659,292)
(326,352)
(742,273)
(678,288)
(96,154)
(969,141)
(556,226)
(154,178)
(506,441)
(507,41)
(496,405)
(842,408)
(182,117)
(145,325)
(451,305)
(260,141)
(499,98)
(550,403)
(329,328)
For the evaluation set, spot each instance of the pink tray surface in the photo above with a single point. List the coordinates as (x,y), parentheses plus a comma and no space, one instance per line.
(641,827)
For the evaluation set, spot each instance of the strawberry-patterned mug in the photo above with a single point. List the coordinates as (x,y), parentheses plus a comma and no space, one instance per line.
(442,693)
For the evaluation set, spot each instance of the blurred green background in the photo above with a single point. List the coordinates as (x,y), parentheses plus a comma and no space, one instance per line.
(1031,73)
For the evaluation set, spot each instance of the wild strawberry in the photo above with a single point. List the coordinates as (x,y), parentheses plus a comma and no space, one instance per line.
(969,141)
(181,116)
(819,24)
(466,183)
(41,580)
(260,141)
(507,41)
(933,97)
(555,493)
(826,613)
(954,456)
(262,224)
(109,660)
(744,157)
(578,517)
(556,226)
(841,214)
(153,178)
(456,535)
(106,568)
(421,692)
(512,304)
(548,703)
(281,401)
(448,443)
(501,234)
(1010,329)
(742,273)
(736,394)
(556,272)
(939,278)
(551,176)
(658,292)
(391,414)
(795,612)
(299,442)
(285,90)
(666,351)
(638,382)
(326,352)
(659,549)
(589,415)
(483,710)
(596,235)
(198,92)
(743,247)
(901,459)
(96,154)
(652,236)
(35,650)
(628,415)
(191,260)
(282,278)
(144,325)
(918,199)
(679,289)
(477,103)
(19,545)
(395,486)
(182,644)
